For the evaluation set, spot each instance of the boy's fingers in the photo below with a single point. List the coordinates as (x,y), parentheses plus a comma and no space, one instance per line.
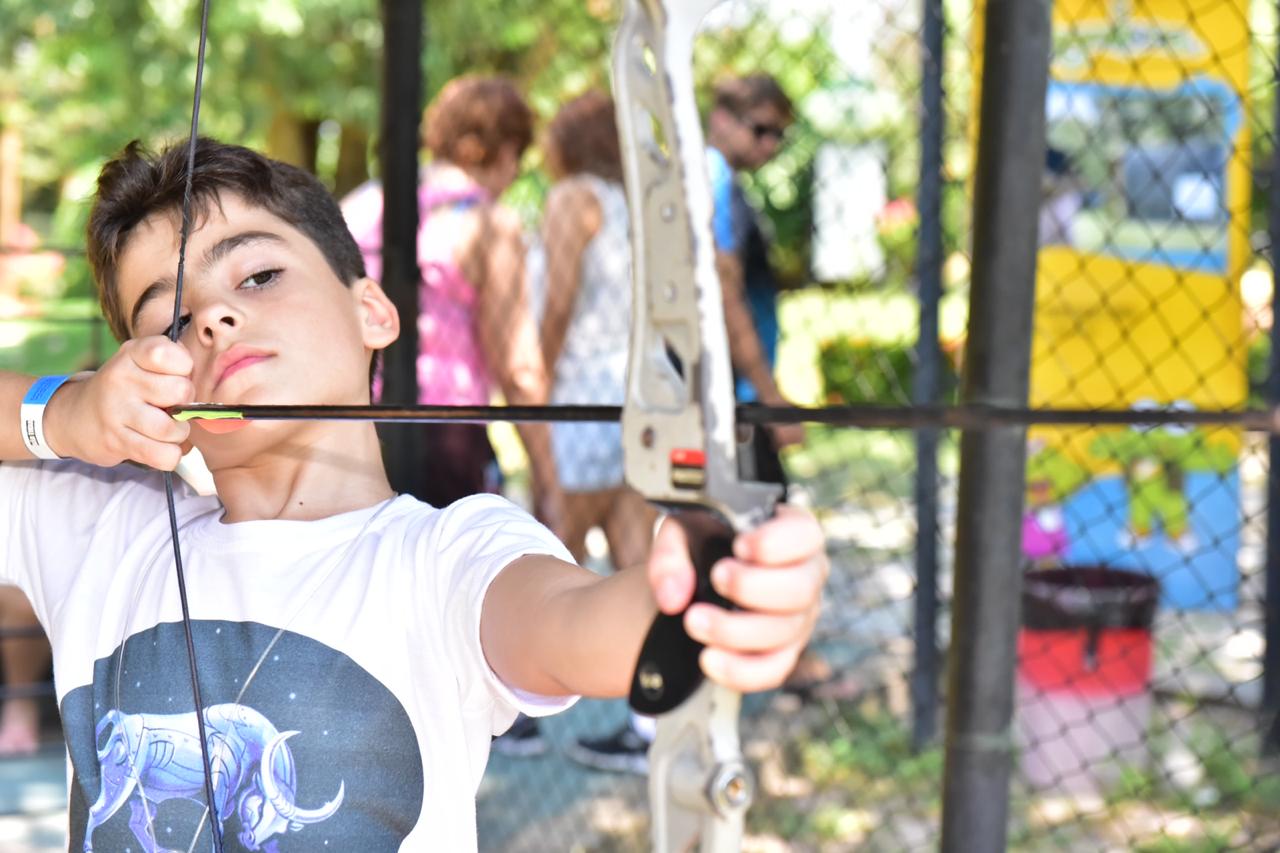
(747,673)
(670,570)
(773,589)
(154,454)
(791,536)
(161,355)
(165,391)
(744,631)
(156,425)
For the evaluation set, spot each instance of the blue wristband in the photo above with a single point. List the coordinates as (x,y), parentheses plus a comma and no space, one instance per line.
(32,413)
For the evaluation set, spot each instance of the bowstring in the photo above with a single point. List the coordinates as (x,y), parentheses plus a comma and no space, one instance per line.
(215,823)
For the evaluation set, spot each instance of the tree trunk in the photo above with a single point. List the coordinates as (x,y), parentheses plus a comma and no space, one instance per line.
(10,184)
(10,205)
(353,159)
(292,139)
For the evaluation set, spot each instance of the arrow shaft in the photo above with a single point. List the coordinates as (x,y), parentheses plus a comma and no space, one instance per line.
(967,417)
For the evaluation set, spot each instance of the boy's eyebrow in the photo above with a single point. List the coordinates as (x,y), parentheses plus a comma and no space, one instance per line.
(227,245)
(212,255)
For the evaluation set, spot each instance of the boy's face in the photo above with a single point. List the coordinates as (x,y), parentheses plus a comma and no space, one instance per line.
(264,316)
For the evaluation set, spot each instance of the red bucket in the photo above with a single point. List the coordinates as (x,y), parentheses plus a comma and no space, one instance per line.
(1084,670)
(1087,629)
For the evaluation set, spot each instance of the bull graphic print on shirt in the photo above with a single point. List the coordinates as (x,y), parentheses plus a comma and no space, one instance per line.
(149,758)
(297,764)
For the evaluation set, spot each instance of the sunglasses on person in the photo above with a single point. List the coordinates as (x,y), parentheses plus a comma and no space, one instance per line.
(761,130)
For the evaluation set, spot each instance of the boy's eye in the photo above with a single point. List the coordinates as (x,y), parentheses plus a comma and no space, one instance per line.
(183,322)
(261,279)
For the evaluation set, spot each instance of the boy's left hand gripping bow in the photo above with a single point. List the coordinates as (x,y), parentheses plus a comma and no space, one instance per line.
(678,418)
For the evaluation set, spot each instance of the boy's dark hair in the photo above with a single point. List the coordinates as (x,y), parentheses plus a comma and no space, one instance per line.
(138,184)
(738,95)
(583,137)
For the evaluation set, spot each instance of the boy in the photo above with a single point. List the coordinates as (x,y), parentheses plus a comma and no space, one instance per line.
(357,648)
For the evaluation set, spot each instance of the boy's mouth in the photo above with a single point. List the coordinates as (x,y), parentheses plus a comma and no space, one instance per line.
(235,359)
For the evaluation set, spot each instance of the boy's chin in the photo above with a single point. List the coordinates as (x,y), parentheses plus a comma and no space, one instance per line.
(220,426)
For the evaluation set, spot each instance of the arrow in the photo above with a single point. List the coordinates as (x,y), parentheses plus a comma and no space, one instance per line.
(965,417)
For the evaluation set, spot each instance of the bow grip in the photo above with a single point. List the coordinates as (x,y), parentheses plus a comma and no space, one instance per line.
(667,671)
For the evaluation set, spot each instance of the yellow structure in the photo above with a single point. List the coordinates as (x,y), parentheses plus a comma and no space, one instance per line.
(1143,230)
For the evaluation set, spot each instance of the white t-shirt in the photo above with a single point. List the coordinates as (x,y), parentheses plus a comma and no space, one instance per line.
(348,703)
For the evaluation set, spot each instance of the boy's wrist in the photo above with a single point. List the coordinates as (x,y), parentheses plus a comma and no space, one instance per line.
(32,412)
(57,434)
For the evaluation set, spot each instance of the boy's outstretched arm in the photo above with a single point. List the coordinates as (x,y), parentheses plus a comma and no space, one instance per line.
(555,629)
(114,415)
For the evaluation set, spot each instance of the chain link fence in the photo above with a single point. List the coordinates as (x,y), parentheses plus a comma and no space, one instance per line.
(1145,708)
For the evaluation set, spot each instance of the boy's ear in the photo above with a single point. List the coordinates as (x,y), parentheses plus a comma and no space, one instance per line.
(379,320)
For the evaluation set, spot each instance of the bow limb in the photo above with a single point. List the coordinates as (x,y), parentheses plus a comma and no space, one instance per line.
(678,418)
(215,822)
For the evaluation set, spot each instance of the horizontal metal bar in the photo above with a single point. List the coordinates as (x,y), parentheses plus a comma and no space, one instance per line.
(966,417)
(26,691)
(70,251)
(25,632)
(88,319)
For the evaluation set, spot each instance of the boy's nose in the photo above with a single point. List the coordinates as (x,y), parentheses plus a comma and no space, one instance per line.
(217,320)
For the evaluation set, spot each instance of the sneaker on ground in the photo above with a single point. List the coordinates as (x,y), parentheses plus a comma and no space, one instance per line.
(523,739)
(624,751)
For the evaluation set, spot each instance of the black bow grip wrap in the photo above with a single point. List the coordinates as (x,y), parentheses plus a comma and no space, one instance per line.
(667,671)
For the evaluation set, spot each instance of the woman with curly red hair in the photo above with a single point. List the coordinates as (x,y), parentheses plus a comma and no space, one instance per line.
(475,330)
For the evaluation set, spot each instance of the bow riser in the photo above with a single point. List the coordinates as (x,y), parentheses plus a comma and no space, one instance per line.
(674,425)
(678,421)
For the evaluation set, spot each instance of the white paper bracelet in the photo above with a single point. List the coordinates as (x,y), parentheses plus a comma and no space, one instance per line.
(33,404)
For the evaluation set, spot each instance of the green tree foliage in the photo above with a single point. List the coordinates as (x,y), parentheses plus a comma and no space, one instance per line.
(555,48)
(83,77)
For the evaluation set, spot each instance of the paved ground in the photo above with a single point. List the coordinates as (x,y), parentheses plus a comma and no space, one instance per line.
(33,802)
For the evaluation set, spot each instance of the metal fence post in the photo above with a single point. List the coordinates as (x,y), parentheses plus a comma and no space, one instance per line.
(1271,657)
(1010,163)
(402,24)
(926,385)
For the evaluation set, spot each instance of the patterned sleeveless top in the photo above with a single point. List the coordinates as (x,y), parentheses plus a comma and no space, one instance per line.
(451,364)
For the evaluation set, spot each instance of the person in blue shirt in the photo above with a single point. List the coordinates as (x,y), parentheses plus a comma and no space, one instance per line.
(745,130)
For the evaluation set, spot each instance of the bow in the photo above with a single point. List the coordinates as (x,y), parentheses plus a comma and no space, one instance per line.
(678,423)
(215,822)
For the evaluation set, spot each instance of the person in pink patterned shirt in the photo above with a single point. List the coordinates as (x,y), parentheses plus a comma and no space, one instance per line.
(475,330)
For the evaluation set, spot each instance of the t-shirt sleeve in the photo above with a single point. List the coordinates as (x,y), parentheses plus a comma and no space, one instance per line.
(474,540)
(723,228)
(49,515)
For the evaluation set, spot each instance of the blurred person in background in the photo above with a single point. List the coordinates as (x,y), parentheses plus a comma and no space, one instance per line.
(475,330)
(475,327)
(25,662)
(585,331)
(748,121)
(1062,199)
(746,128)
(24,263)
